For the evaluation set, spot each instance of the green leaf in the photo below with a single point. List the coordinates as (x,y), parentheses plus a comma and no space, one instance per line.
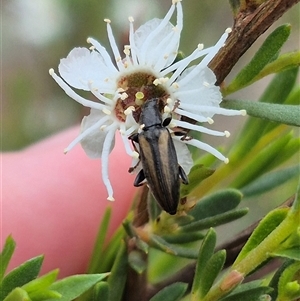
(6,255)
(288,288)
(282,63)
(275,279)
(270,181)
(263,56)
(181,238)
(21,275)
(110,252)
(248,295)
(38,289)
(294,96)
(18,294)
(293,253)
(259,164)
(99,244)
(287,114)
(197,174)
(216,203)
(277,92)
(211,271)
(101,291)
(205,254)
(160,244)
(41,283)
(173,292)
(117,279)
(137,261)
(74,286)
(264,228)
(214,221)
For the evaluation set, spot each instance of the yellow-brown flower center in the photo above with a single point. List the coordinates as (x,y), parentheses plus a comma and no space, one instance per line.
(138,87)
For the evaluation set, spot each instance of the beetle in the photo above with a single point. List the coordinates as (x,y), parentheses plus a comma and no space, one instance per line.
(158,157)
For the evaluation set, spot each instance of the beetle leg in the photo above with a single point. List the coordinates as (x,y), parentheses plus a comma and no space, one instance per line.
(167,121)
(139,178)
(183,176)
(134,139)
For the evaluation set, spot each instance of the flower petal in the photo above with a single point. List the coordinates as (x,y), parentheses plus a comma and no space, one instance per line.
(196,86)
(93,143)
(83,66)
(150,48)
(183,155)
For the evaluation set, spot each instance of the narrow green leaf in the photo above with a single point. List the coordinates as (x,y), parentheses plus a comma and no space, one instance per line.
(294,96)
(264,228)
(270,181)
(99,244)
(249,295)
(117,279)
(74,286)
(101,292)
(216,203)
(19,276)
(280,87)
(205,253)
(211,271)
(38,289)
(288,288)
(275,279)
(293,253)
(42,282)
(282,63)
(259,164)
(287,114)
(137,261)
(277,92)
(6,255)
(173,292)
(214,221)
(290,149)
(110,252)
(181,238)
(160,244)
(197,174)
(18,294)
(44,295)
(263,56)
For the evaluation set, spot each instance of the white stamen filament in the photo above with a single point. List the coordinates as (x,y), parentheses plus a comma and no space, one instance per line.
(104,160)
(199,128)
(106,58)
(199,118)
(75,96)
(153,34)
(87,132)
(114,47)
(206,147)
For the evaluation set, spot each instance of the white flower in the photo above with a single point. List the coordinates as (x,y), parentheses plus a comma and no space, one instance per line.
(145,71)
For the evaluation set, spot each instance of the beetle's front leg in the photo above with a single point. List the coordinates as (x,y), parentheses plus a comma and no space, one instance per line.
(134,139)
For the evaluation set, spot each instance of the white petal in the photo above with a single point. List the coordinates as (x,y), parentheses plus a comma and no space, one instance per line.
(151,40)
(93,143)
(108,145)
(82,66)
(183,155)
(196,87)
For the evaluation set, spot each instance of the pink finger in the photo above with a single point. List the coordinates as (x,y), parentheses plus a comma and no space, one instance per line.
(53,203)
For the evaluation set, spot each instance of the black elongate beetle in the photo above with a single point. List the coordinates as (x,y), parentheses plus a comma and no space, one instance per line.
(158,157)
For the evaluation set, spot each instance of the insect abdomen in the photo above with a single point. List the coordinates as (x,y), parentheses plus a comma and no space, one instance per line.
(160,167)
